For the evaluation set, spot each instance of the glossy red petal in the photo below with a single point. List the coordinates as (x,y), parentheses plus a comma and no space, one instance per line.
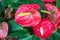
(43,29)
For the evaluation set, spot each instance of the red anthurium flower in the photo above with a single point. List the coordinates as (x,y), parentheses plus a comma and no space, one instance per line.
(46,1)
(51,8)
(43,29)
(3,30)
(27,15)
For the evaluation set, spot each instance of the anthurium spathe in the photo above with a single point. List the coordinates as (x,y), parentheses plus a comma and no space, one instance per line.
(46,1)
(3,30)
(27,15)
(52,8)
(43,29)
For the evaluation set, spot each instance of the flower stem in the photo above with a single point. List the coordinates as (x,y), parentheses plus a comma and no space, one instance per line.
(46,11)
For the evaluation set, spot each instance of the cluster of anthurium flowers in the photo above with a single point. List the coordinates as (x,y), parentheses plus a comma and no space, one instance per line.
(28,15)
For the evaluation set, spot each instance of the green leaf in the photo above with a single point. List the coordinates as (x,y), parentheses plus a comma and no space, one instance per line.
(22,2)
(56,36)
(16,3)
(19,33)
(28,37)
(2,8)
(35,38)
(4,3)
(2,19)
(16,30)
(13,26)
(58,3)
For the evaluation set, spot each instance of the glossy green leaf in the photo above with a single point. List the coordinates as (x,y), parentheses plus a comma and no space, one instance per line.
(16,3)
(56,36)
(58,3)
(4,3)
(28,37)
(13,26)
(19,33)
(16,30)
(2,8)
(35,38)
